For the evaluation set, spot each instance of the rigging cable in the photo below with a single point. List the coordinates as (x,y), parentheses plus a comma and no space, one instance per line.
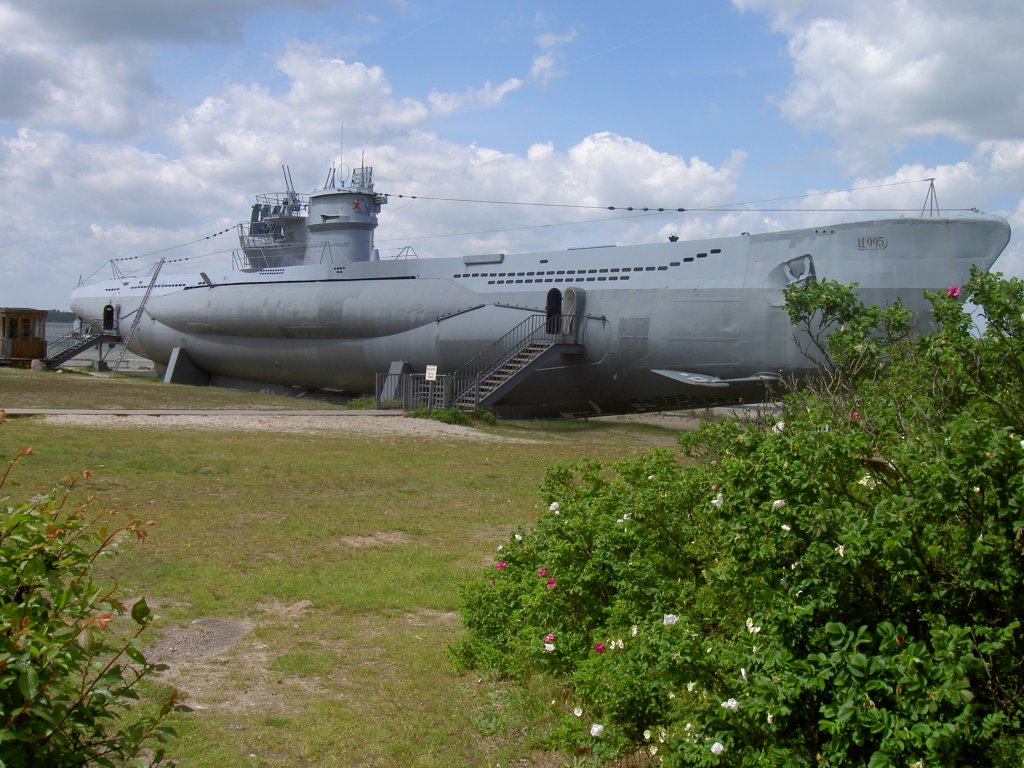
(725,207)
(174,247)
(634,211)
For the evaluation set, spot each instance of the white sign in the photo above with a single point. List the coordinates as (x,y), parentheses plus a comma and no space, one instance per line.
(431,373)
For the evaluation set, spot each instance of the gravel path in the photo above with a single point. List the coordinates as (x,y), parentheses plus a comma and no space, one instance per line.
(370,424)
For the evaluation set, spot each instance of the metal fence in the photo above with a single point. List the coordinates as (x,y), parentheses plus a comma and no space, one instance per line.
(413,392)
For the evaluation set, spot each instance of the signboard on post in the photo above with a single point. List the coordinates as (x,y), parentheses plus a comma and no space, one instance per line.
(431,377)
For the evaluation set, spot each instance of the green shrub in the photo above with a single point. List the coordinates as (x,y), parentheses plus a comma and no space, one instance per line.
(67,670)
(844,586)
(364,403)
(453,415)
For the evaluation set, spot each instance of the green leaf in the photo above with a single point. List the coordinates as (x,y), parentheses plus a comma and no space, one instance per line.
(28,682)
(141,613)
(135,654)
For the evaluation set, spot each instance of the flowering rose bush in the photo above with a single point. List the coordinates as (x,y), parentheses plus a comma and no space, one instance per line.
(66,674)
(842,585)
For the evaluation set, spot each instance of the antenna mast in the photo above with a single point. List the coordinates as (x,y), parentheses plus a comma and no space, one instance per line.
(931,201)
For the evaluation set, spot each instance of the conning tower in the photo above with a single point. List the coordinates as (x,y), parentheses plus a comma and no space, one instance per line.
(342,218)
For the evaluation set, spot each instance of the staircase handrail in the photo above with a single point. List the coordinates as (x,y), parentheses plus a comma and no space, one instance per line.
(517,338)
(85,336)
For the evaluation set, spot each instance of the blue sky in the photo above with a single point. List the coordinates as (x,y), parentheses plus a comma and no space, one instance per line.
(131,126)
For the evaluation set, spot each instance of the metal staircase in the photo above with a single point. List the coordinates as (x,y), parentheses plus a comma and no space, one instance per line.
(72,344)
(503,365)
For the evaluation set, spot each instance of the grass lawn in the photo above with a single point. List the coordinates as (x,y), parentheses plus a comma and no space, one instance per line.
(306,584)
(78,388)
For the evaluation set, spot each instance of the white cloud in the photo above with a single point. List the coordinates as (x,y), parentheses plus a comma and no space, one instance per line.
(71,206)
(87,67)
(545,68)
(878,75)
(553,39)
(326,90)
(601,170)
(547,65)
(1005,157)
(488,95)
(77,88)
(249,129)
(117,21)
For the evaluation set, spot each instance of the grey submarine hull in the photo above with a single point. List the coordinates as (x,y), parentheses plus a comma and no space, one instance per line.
(661,326)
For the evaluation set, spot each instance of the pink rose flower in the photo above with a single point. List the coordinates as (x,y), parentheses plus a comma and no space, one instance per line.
(599,647)
(501,566)
(551,583)
(542,571)
(549,638)
(953,291)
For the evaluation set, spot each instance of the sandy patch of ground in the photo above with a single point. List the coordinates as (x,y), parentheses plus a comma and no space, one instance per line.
(348,422)
(220,664)
(199,654)
(217,663)
(375,539)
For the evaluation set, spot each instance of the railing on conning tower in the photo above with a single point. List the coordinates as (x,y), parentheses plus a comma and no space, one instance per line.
(263,237)
(362,177)
(268,217)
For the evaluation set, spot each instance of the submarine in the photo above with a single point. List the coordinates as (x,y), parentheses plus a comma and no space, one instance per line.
(309,304)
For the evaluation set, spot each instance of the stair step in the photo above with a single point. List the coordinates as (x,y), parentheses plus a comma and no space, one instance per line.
(514,364)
